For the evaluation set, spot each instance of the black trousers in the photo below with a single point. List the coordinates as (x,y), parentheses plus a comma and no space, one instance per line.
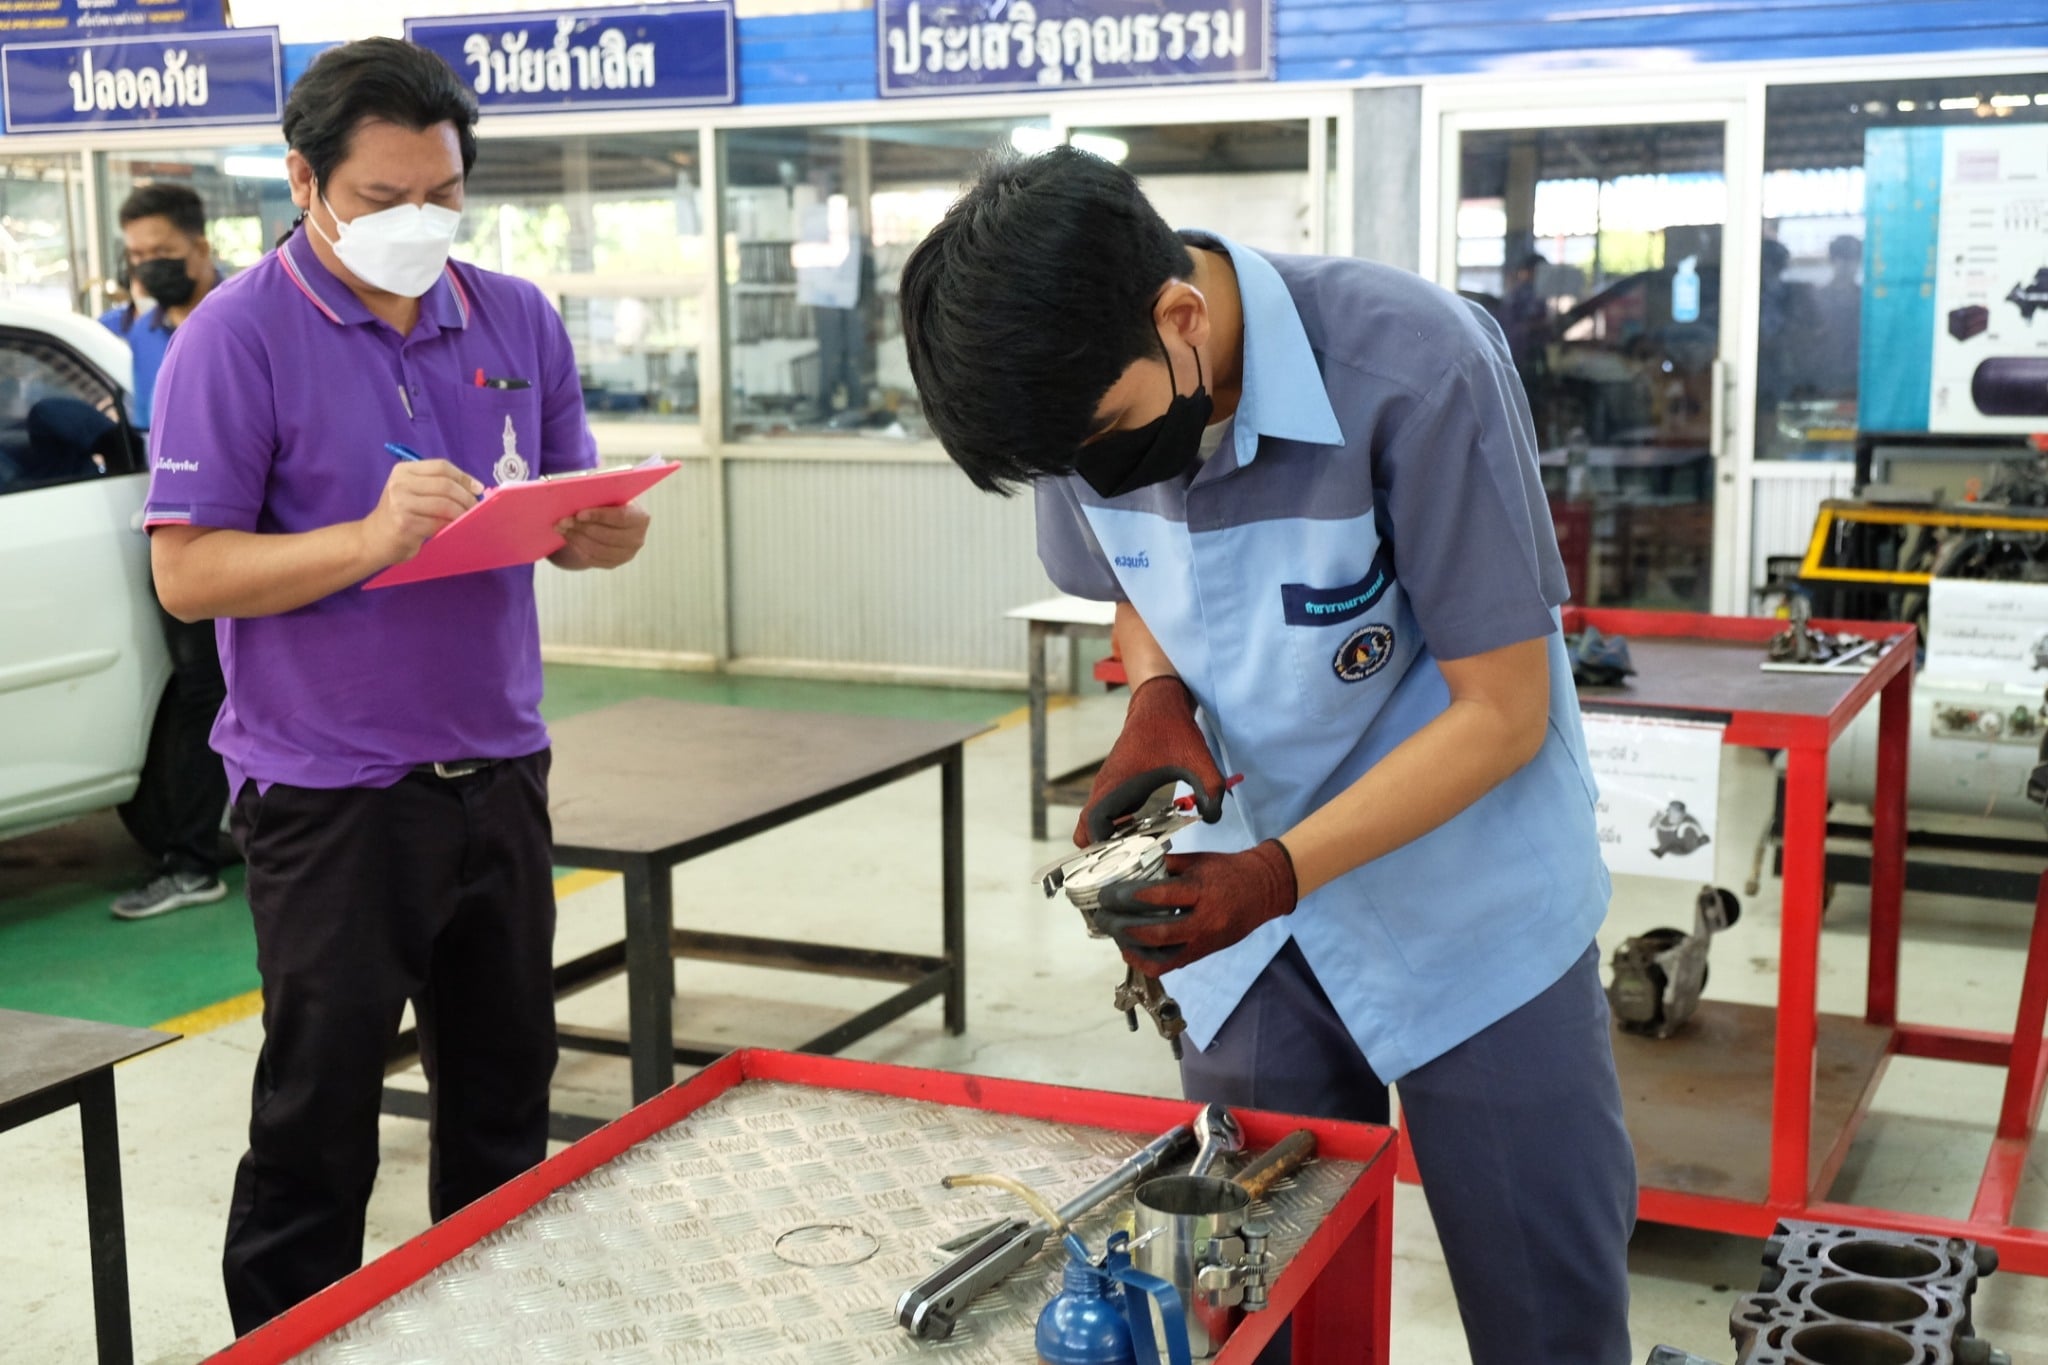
(437,891)
(175,813)
(195,801)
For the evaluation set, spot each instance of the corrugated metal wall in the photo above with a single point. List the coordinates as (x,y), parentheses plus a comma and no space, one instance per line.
(1785,509)
(794,59)
(666,600)
(880,566)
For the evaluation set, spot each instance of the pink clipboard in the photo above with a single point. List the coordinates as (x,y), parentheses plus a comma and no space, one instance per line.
(514,523)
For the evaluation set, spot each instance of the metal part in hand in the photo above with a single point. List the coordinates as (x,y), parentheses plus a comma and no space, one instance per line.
(1142,992)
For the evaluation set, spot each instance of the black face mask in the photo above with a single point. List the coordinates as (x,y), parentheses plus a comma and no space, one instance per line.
(167,281)
(1162,449)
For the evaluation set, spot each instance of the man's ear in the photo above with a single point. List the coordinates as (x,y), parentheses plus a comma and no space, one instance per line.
(1182,310)
(299,172)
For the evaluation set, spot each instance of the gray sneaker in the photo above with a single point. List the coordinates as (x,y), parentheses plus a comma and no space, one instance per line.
(171,891)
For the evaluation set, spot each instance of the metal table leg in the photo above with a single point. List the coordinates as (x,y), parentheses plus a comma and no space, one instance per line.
(1040,630)
(103,1217)
(650,977)
(1806,814)
(1888,846)
(953,845)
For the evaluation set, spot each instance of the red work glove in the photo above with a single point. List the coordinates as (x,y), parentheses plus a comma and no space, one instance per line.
(1221,897)
(1160,743)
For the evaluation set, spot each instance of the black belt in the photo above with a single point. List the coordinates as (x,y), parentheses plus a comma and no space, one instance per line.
(467,767)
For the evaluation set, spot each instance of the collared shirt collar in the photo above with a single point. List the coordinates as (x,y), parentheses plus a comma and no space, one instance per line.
(1283,394)
(446,304)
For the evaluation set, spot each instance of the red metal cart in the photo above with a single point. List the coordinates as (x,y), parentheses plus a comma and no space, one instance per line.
(1337,1284)
(1748,1117)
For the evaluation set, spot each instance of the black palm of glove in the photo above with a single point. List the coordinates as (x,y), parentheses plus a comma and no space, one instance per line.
(1160,744)
(1221,898)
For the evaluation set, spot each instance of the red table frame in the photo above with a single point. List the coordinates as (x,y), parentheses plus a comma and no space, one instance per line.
(1338,1288)
(1797,1190)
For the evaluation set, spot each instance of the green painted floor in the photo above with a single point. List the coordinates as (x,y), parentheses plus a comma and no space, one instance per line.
(62,953)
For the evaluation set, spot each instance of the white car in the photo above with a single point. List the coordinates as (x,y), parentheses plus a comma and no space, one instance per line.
(82,658)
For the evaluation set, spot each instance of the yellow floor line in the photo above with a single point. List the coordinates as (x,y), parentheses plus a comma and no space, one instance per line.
(1022,715)
(215,1016)
(250,1003)
(581,880)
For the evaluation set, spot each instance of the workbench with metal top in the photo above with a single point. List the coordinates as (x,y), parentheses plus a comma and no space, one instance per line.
(772,1209)
(1746,1116)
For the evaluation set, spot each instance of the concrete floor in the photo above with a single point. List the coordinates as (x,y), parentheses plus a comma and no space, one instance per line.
(868,872)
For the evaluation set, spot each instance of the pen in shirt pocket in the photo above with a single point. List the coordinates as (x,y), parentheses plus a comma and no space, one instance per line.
(484,382)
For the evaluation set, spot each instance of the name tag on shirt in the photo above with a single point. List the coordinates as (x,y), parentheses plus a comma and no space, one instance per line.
(1307,606)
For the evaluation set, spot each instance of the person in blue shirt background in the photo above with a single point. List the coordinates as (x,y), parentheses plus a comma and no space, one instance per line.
(163,233)
(1310,485)
(177,818)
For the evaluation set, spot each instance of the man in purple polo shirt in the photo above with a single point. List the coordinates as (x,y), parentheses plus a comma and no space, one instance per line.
(385,748)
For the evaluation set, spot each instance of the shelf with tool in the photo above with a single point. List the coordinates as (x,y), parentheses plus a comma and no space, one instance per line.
(1746,1115)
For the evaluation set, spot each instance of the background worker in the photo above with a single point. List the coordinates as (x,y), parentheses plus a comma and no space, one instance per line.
(176,815)
(385,747)
(1310,485)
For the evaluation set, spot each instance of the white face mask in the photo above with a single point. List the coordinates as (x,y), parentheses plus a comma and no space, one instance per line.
(401,250)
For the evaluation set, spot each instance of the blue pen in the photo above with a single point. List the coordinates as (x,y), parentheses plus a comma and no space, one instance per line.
(402,452)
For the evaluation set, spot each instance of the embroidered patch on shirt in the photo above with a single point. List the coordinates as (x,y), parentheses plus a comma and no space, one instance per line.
(1365,653)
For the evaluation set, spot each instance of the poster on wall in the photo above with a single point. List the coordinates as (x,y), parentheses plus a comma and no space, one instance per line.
(1988,630)
(107,18)
(629,57)
(1660,795)
(1955,308)
(966,47)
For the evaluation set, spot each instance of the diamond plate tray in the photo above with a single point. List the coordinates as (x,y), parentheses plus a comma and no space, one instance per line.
(777,1225)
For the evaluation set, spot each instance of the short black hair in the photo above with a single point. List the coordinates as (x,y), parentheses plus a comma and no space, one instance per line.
(375,78)
(163,199)
(1024,305)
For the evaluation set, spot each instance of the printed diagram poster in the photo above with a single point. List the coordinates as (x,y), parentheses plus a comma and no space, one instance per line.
(1990,364)
(1660,795)
(1988,631)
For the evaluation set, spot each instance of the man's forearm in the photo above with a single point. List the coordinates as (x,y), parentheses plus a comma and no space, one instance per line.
(203,573)
(1426,781)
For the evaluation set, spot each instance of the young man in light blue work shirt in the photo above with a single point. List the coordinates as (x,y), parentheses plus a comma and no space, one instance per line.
(1310,485)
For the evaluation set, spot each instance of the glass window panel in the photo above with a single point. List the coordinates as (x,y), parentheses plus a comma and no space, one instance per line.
(248,202)
(610,228)
(818,224)
(41,253)
(1809,342)
(1599,252)
(1247,181)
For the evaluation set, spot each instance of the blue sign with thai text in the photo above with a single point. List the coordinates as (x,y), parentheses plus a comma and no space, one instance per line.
(962,47)
(628,58)
(178,80)
(47,19)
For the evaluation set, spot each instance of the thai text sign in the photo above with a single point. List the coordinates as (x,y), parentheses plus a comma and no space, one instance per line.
(636,57)
(957,47)
(183,79)
(47,19)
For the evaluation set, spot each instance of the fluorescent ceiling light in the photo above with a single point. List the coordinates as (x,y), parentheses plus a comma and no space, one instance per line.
(1960,102)
(1108,148)
(1031,141)
(255,167)
(2009,101)
(1907,106)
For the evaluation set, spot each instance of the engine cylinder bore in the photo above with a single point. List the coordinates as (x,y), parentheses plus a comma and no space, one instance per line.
(1885,1260)
(1870,1301)
(1836,1344)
